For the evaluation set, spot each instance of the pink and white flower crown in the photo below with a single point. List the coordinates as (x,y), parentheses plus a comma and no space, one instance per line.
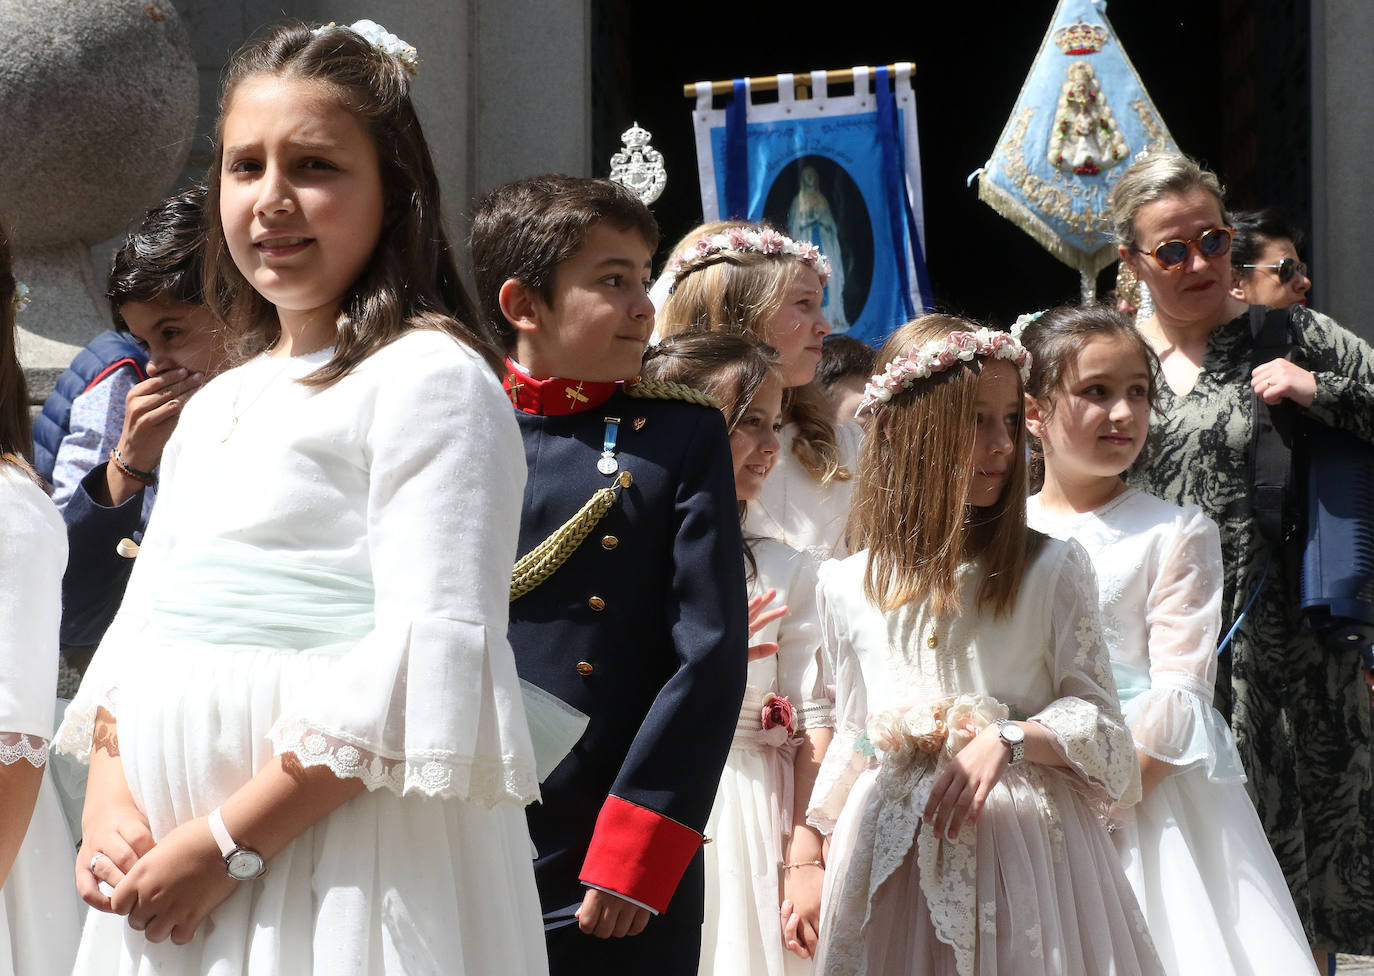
(937,355)
(765,241)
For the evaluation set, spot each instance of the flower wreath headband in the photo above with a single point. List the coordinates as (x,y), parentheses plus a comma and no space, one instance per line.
(937,355)
(745,239)
(381,39)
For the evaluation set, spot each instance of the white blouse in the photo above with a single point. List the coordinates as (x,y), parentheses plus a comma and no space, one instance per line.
(1159,576)
(391,498)
(798,510)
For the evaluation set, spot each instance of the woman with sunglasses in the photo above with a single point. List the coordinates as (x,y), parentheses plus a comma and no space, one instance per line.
(1301,719)
(1264,260)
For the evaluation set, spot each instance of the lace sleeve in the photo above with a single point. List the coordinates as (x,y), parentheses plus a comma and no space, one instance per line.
(1174,720)
(15,746)
(1085,720)
(845,758)
(428,702)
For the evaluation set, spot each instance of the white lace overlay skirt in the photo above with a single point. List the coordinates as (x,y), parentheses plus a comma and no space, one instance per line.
(1036,889)
(1213,893)
(384,884)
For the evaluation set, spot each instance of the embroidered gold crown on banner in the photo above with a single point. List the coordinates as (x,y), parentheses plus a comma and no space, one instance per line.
(1081,38)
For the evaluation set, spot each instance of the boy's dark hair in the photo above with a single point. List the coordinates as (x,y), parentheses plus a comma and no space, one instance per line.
(1254,228)
(162,258)
(16,441)
(526,229)
(411,280)
(842,357)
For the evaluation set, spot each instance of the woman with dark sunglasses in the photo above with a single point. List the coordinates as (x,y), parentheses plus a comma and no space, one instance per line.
(1299,711)
(1265,262)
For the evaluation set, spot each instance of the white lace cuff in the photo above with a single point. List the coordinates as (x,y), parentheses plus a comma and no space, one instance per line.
(15,746)
(841,766)
(1097,747)
(431,773)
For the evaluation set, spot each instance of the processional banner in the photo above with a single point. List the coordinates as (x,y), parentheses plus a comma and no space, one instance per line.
(1081,118)
(842,172)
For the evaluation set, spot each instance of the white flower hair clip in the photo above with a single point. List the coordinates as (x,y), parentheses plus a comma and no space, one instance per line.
(21,297)
(937,355)
(742,239)
(1022,321)
(383,40)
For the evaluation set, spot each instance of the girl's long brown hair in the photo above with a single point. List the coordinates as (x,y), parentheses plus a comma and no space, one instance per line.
(911,501)
(738,292)
(16,435)
(411,280)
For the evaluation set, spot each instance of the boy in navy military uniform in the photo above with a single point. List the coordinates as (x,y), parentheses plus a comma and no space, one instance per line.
(629,601)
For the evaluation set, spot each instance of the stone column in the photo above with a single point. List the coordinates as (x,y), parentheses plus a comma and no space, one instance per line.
(97,107)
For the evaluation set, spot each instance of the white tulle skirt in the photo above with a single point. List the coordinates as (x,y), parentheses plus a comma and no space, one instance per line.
(1047,897)
(384,884)
(741,934)
(1213,894)
(40,913)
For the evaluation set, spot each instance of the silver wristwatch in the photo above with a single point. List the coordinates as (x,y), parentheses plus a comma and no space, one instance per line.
(242,863)
(1015,737)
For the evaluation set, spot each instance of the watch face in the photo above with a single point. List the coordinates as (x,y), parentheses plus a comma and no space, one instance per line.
(245,865)
(1012,732)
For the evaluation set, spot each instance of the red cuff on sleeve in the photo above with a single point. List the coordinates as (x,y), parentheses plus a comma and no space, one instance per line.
(638,853)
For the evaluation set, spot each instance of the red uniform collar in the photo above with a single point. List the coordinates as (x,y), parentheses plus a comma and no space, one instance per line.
(553,397)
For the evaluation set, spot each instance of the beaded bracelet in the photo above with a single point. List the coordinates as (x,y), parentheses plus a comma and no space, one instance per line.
(142,477)
(789,865)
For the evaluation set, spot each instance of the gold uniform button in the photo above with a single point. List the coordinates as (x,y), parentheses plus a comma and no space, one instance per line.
(609,542)
(932,641)
(596,603)
(626,479)
(584,668)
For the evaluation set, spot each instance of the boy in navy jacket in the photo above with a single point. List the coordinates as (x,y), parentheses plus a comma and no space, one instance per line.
(629,599)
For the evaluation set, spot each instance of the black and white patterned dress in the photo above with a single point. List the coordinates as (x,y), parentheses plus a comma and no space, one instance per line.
(1300,711)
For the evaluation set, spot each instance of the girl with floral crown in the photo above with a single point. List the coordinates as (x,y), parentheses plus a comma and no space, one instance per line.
(978,741)
(1193,847)
(39,914)
(750,279)
(308,753)
(762,844)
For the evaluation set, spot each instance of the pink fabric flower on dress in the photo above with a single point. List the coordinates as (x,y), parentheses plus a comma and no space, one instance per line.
(777,713)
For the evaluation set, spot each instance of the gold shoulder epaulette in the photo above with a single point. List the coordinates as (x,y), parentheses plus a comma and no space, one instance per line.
(664,390)
(543,560)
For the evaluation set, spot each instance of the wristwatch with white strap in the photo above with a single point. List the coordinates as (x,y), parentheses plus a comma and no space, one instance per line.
(242,863)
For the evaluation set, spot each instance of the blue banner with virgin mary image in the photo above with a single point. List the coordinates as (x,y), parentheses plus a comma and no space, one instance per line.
(842,173)
(1080,119)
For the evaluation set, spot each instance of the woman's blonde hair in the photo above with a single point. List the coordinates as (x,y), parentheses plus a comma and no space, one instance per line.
(911,502)
(739,292)
(1157,175)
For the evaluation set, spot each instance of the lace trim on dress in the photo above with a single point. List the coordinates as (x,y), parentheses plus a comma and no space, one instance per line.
(1097,746)
(431,773)
(15,746)
(74,735)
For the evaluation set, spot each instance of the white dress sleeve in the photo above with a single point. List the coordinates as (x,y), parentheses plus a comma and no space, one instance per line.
(33,555)
(1085,719)
(429,701)
(845,757)
(800,675)
(1174,720)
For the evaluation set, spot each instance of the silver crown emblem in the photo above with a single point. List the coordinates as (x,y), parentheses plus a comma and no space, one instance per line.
(638,166)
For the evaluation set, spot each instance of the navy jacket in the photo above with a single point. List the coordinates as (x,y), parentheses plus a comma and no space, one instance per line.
(643,628)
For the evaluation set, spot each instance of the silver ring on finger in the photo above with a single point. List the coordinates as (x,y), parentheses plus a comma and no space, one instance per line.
(98,856)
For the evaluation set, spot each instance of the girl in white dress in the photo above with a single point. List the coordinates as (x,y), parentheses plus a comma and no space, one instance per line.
(307,749)
(758,822)
(39,913)
(1193,848)
(978,738)
(750,279)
